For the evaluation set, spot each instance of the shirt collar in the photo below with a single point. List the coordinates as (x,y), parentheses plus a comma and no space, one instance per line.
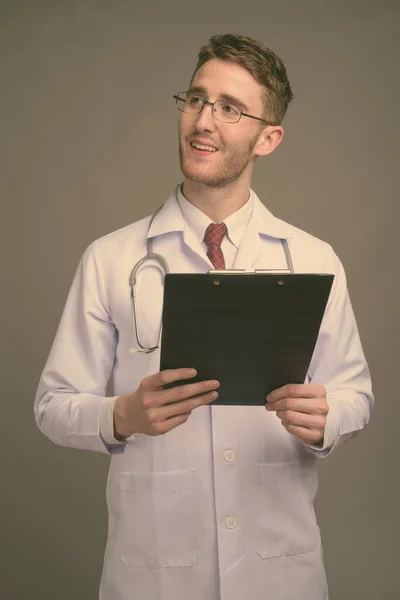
(170,218)
(198,222)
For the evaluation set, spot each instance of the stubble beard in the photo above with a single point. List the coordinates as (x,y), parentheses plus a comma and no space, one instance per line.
(230,171)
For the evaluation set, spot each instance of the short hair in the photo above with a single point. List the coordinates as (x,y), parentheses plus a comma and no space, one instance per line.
(265,66)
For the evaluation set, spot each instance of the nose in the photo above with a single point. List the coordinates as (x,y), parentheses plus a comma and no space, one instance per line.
(205,119)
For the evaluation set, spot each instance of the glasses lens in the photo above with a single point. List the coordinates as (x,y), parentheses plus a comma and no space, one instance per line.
(224,111)
(190,103)
(180,101)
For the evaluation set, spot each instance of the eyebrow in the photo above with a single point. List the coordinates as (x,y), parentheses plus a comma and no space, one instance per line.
(227,97)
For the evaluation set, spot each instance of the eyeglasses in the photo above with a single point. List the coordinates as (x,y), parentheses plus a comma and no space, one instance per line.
(189,102)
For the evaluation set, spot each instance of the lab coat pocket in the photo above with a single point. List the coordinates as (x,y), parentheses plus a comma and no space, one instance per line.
(285,517)
(158,524)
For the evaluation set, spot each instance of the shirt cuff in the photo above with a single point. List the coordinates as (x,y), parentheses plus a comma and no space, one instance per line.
(107,427)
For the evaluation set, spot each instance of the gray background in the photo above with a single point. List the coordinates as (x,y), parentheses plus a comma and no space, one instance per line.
(89,144)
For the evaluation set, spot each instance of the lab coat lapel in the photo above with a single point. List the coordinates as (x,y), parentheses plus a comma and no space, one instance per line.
(250,247)
(169,231)
(261,247)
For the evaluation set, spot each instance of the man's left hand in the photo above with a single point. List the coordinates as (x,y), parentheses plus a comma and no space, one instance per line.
(302,408)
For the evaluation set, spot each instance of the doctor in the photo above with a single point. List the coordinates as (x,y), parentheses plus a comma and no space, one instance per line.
(205,502)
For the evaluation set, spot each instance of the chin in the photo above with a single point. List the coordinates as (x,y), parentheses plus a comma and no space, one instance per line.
(211,182)
(203,178)
(194,173)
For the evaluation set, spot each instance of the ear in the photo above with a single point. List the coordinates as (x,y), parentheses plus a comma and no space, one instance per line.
(270,137)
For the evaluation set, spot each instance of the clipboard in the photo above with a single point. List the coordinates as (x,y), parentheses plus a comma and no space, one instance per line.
(252,332)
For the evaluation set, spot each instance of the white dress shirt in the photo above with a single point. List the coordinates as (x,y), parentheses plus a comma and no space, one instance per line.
(198,222)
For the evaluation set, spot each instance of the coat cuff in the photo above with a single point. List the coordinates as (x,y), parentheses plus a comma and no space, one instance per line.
(331,435)
(113,445)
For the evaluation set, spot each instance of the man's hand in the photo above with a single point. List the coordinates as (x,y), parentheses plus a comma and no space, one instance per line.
(153,410)
(302,408)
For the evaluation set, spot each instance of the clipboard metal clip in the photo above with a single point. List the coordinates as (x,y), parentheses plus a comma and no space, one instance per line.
(246,271)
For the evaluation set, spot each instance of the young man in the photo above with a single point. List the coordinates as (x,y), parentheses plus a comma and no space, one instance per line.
(205,502)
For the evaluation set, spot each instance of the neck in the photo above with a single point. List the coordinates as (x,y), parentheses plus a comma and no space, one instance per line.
(217,203)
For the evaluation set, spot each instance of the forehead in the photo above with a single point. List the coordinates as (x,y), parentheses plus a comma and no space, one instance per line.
(220,77)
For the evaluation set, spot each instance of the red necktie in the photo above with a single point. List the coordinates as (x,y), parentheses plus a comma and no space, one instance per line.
(213,237)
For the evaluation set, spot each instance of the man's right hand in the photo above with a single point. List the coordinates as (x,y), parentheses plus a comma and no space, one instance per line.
(153,410)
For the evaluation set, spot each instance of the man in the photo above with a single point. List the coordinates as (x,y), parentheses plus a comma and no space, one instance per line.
(205,502)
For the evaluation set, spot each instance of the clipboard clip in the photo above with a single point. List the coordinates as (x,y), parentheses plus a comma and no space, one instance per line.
(247,271)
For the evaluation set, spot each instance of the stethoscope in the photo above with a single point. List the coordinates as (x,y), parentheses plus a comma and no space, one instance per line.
(163,268)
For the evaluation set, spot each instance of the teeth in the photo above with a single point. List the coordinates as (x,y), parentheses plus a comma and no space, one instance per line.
(201,147)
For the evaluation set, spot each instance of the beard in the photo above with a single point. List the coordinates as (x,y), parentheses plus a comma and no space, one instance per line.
(223,175)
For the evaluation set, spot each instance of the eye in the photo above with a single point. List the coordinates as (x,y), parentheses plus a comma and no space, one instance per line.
(230,109)
(194,100)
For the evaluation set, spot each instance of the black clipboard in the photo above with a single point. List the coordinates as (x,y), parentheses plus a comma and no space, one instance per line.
(252,332)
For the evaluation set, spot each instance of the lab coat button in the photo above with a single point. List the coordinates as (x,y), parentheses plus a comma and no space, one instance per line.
(229,455)
(231,522)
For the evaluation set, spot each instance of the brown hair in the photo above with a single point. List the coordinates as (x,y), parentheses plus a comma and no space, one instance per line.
(265,66)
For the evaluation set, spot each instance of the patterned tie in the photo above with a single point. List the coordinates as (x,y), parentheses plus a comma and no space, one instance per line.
(213,237)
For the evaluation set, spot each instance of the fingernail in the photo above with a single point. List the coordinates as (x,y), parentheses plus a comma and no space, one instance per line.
(214,395)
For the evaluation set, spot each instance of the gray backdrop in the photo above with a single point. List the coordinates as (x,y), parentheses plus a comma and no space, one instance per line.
(89,144)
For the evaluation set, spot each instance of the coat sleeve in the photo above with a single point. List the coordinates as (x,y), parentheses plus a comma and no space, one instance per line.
(73,384)
(339,365)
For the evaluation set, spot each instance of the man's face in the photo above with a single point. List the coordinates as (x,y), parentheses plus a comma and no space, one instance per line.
(235,143)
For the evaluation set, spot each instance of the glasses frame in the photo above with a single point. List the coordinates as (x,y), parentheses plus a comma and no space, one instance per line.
(208,103)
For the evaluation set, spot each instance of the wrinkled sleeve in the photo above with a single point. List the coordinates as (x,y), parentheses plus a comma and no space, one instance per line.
(72,387)
(339,365)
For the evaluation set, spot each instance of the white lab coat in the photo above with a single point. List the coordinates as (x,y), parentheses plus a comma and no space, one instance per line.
(222,506)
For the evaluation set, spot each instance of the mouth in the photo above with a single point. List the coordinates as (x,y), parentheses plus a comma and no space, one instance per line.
(200,149)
